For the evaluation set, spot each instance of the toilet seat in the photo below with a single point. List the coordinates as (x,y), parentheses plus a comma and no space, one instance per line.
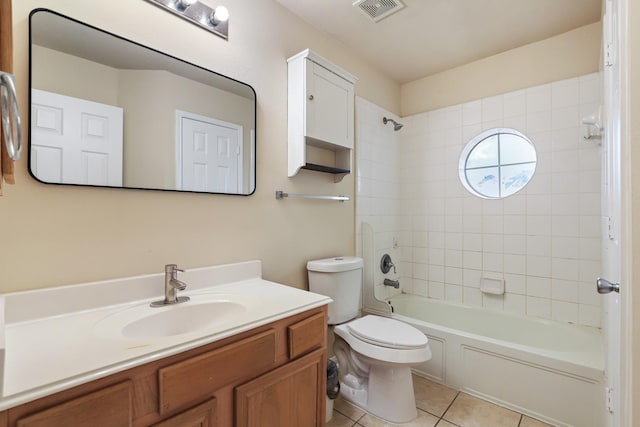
(378,349)
(387,332)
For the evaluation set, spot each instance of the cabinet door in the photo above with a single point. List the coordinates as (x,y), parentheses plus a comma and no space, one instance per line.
(290,396)
(203,415)
(329,106)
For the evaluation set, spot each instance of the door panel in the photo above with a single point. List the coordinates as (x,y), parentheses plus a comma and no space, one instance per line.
(76,141)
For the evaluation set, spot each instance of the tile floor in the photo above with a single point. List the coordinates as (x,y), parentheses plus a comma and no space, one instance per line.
(438,406)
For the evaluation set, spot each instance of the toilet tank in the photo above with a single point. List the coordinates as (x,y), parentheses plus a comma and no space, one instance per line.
(339,278)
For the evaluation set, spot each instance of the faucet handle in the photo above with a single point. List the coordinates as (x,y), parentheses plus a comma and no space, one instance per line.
(172,268)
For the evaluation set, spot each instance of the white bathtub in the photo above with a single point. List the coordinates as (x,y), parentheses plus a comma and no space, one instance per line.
(549,370)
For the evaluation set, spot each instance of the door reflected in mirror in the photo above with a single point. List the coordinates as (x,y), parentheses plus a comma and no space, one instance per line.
(106,111)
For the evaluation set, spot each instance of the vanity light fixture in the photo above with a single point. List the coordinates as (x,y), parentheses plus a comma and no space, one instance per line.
(215,20)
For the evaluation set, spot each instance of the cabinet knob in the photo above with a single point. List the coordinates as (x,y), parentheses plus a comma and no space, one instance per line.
(310,97)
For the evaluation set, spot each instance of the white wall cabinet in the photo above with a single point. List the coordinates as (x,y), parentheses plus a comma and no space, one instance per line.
(320,114)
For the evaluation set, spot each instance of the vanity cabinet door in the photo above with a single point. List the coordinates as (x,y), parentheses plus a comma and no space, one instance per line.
(203,415)
(290,396)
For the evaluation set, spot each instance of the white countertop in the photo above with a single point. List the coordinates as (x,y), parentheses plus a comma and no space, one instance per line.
(59,338)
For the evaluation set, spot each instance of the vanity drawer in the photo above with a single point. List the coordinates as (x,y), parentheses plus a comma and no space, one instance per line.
(306,335)
(187,382)
(108,407)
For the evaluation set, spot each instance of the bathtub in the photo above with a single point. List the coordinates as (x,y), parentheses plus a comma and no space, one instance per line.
(549,370)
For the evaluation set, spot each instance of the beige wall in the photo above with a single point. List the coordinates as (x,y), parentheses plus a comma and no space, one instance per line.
(56,235)
(568,55)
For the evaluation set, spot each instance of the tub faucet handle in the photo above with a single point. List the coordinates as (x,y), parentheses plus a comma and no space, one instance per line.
(386,264)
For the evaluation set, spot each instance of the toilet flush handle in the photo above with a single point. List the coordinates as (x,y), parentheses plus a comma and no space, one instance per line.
(386,264)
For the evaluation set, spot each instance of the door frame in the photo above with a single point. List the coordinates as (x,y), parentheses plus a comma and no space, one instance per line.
(180,114)
(622,397)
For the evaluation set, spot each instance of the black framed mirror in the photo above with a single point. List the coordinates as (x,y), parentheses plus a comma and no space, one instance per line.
(109,112)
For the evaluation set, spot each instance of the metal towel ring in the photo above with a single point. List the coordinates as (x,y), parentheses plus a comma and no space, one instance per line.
(12,134)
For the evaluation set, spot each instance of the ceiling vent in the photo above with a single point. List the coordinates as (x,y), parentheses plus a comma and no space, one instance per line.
(378,9)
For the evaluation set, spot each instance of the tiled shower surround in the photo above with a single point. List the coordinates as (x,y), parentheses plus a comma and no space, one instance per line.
(544,241)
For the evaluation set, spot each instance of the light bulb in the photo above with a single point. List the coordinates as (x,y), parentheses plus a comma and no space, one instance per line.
(220,14)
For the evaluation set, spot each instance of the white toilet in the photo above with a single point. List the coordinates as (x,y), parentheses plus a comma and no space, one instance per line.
(374,353)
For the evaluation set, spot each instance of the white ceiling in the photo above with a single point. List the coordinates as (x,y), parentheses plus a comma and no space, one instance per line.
(428,36)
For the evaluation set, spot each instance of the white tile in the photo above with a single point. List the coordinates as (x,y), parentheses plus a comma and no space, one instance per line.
(567,138)
(514,103)
(589,270)
(589,226)
(493,302)
(540,183)
(590,88)
(515,264)
(453,293)
(454,241)
(565,161)
(436,290)
(471,131)
(492,207)
(453,276)
(565,93)
(539,204)
(539,245)
(539,307)
(492,109)
(515,224)
(590,158)
(565,182)
(568,117)
(566,204)
(472,205)
(518,123)
(539,225)
(539,121)
(472,242)
(565,226)
(538,287)
(471,277)
(421,287)
(590,204)
(515,283)
(436,239)
(436,256)
(453,258)
(515,244)
(472,224)
(590,248)
(539,266)
(472,297)
(492,243)
(472,260)
(436,273)
(420,271)
(588,295)
(564,290)
(492,262)
(453,223)
(492,224)
(515,304)
(538,98)
(515,205)
(562,311)
(565,247)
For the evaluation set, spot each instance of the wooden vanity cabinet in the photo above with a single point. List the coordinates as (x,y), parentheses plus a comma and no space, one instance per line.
(271,376)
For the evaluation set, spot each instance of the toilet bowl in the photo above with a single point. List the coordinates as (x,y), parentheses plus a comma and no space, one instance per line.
(375,354)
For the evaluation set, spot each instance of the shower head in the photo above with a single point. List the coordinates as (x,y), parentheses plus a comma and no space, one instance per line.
(396,126)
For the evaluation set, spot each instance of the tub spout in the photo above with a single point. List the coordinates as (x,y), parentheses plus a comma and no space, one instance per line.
(392,283)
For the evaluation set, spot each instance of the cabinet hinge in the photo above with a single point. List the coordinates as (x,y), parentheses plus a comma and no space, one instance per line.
(609,59)
(609,397)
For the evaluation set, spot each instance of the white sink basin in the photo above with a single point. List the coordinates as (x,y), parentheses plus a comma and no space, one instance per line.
(203,312)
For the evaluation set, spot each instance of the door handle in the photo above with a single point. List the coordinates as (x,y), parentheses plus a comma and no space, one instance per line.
(605,286)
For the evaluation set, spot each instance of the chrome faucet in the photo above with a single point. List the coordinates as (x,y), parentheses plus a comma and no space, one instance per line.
(171,287)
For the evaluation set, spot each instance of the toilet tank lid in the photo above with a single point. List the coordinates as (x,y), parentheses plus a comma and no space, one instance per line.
(335,264)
